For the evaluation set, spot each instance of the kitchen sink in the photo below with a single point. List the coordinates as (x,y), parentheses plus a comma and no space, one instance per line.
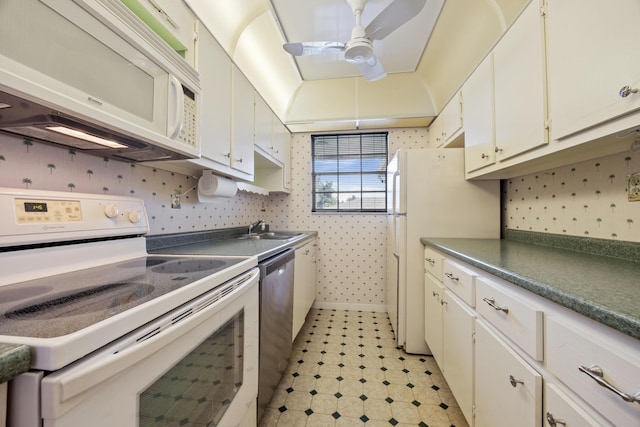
(271,235)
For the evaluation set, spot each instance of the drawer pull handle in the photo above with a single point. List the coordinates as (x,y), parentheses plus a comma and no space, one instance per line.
(492,303)
(435,294)
(451,276)
(597,374)
(514,382)
(553,422)
(443,302)
(430,261)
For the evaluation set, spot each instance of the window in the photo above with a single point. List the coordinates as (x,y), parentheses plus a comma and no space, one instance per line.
(349,172)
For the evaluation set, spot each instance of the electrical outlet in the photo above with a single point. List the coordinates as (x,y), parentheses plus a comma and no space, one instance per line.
(633,187)
(175,199)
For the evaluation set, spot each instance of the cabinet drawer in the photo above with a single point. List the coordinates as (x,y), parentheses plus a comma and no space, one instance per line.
(561,411)
(433,263)
(570,347)
(518,319)
(508,391)
(460,280)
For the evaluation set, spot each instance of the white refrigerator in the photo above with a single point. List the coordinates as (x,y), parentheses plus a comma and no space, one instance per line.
(428,196)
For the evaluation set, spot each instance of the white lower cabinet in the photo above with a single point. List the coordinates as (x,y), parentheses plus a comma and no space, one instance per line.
(433,294)
(508,391)
(494,356)
(304,283)
(457,367)
(561,411)
(594,365)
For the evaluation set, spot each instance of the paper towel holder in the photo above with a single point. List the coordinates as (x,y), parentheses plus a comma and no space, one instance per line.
(211,186)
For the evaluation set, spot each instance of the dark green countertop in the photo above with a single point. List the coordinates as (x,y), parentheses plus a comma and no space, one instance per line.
(603,288)
(14,360)
(222,243)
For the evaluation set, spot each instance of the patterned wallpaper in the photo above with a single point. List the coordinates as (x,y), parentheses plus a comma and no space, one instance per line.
(586,199)
(351,248)
(45,167)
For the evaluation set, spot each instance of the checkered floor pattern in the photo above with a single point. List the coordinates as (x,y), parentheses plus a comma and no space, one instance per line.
(347,371)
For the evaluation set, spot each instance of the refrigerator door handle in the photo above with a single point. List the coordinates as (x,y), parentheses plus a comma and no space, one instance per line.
(394,199)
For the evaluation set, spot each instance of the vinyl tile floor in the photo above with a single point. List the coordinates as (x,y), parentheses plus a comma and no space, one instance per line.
(347,371)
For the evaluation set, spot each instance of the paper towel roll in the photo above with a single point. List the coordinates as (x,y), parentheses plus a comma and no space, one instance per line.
(211,186)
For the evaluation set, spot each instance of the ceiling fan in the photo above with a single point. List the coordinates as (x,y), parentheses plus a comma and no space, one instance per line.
(359,50)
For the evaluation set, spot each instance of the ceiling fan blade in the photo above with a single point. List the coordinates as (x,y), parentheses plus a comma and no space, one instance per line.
(313,48)
(372,70)
(393,17)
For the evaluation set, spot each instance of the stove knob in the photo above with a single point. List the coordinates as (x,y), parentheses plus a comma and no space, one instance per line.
(134,216)
(111,211)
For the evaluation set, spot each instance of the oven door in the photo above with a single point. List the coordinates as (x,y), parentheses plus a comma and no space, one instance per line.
(197,365)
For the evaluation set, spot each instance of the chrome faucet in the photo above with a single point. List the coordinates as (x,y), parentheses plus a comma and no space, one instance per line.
(255,224)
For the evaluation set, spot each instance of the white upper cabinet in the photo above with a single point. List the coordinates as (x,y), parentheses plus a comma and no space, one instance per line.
(172,20)
(446,128)
(214,67)
(479,128)
(520,85)
(242,119)
(592,57)
(435,133)
(451,116)
(263,125)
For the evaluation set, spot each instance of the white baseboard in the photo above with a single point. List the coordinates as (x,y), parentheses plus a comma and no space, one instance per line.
(378,308)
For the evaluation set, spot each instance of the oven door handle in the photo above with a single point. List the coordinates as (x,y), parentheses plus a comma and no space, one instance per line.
(143,342)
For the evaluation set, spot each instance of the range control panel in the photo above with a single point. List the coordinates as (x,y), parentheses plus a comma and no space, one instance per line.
(38,216)
(31,211)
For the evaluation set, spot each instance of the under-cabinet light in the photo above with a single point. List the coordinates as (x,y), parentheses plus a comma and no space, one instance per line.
(85,136)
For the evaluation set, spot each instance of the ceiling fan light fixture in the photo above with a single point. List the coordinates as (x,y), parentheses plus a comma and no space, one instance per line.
(358,51)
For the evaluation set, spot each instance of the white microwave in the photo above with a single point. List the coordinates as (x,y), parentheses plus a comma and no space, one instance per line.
(92,63)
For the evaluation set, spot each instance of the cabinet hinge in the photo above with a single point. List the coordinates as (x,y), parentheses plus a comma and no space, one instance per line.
(473,411)
(547,124)
(543,9)
(473,336)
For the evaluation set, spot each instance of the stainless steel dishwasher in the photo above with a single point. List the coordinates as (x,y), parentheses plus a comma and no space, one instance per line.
(276,320)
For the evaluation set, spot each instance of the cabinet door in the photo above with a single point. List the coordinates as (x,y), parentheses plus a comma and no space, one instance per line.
(304,284)
(214,67)
(174,23)
(520,85)
(592,54)
(263,131)
(508,391)
(283,153)
(479,128)
(452,118)
(242,122)
(458,360)
(435,133)
(433,293)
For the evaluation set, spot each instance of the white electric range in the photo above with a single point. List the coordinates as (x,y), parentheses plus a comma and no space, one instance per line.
(106,322)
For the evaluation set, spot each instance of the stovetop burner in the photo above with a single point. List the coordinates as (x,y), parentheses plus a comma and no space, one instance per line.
(62,304)
(91,299)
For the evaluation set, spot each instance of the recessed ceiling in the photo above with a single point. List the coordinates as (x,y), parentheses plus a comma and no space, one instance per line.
(333,20)
(427,59)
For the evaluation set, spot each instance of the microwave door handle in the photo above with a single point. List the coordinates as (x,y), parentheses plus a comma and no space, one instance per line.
(176,108)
